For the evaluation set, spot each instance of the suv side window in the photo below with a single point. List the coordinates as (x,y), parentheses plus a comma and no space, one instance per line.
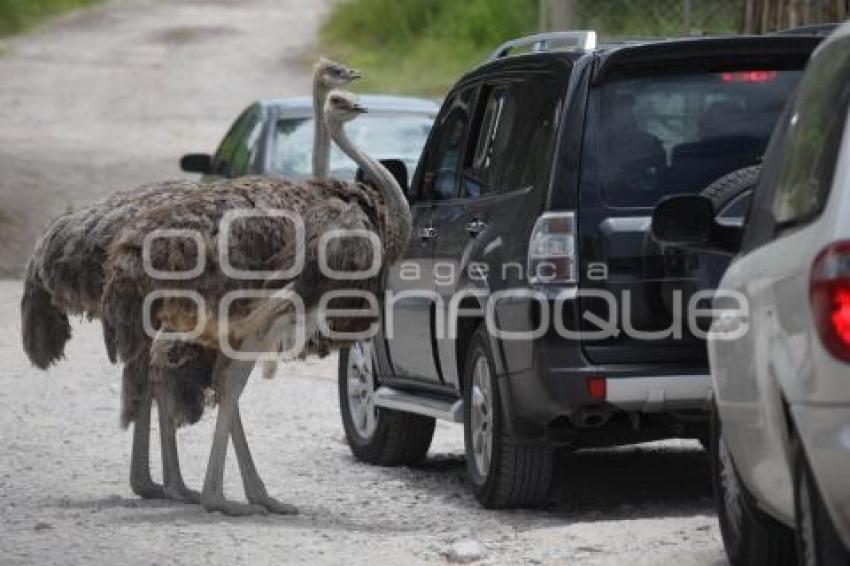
(815,130)
(481,175)
(223,161)
(440,174)
(516,137)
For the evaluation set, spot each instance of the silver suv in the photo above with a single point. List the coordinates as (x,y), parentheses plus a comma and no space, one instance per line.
(779,364)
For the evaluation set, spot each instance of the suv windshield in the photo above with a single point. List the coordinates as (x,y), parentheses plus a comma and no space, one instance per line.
(679,133)
(381,135)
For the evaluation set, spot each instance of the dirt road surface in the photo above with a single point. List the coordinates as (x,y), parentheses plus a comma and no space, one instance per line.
(110,98)
(65,499)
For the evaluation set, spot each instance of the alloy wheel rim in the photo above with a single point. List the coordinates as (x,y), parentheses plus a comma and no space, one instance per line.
(361,390)
(481,416)
(731,490)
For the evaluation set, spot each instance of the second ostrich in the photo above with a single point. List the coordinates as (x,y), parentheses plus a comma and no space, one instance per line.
(268,242)
(65,275)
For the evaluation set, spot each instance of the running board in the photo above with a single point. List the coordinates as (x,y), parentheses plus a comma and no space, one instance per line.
(390,398)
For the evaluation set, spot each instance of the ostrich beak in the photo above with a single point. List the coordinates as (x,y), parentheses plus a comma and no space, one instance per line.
(359,108)
(354,74)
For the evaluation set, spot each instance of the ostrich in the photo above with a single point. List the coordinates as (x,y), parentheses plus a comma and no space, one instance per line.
(104,244)
(327,75)
(266,242)
(65,276)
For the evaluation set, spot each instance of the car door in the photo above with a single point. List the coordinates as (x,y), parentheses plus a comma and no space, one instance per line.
(756,373)
(410,301)
(503,176)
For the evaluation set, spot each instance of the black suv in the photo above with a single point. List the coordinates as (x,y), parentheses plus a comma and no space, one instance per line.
(532,306)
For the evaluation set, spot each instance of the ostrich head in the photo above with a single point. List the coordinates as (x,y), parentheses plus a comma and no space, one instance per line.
(331,74)
(343,107)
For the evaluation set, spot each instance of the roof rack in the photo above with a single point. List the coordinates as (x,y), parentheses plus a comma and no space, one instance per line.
(583,40)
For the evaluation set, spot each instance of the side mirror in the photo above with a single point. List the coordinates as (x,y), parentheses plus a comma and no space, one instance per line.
(196,163)
(396,167)
(683,220)
(689,221)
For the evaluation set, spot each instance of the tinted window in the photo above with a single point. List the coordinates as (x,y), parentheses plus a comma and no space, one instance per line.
(440,174)
(382,135)
(496,130)
(516,136)
(814,136)
(530,160)
(679,133)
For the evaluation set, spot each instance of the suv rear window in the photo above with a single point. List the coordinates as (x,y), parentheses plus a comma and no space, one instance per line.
(678,133)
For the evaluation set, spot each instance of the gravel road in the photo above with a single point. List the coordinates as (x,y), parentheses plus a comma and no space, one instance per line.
(109,98)
(65,499)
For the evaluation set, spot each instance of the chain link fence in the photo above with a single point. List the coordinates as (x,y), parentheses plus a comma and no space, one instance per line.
(617,19)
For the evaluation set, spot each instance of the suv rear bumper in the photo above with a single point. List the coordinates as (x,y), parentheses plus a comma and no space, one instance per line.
(542,405)
(660,392)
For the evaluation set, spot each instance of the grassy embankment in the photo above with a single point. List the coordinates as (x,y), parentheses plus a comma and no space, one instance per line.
(421,46)
(19,15)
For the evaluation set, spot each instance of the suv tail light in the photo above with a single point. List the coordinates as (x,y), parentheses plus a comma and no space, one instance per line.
(552,249)
(830,296)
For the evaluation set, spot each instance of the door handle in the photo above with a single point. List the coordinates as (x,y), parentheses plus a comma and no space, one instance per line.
(475,227)
(428,233)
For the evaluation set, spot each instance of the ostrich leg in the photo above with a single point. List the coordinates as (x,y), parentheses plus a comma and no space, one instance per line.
(255,489)
(140,471)
(172,479)
(232,376)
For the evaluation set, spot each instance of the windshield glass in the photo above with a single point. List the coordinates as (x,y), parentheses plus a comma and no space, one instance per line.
(679,133)
(381,135)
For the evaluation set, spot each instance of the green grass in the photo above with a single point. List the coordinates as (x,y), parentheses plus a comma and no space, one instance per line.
(423,46)
(18,15)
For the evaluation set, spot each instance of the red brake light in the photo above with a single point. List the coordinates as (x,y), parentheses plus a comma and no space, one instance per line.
(597,388)
(830,297)
(748,77)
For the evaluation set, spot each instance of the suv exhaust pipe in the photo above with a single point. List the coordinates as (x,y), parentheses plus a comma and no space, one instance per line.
(591,416)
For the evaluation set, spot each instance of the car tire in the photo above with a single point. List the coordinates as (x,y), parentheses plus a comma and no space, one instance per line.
(727,188)
(818,543)
(750,536)
(502,471)
(376,435)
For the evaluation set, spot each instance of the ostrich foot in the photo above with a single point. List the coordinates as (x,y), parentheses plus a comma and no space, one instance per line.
(147,489)
(232,508)
(273,505)
(182,494)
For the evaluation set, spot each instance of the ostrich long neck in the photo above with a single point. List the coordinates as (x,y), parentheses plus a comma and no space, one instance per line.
(398,221)
(321,141)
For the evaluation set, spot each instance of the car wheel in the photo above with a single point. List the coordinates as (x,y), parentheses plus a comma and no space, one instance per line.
(374,434)
(818,543)
(750,536)
(503,472)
